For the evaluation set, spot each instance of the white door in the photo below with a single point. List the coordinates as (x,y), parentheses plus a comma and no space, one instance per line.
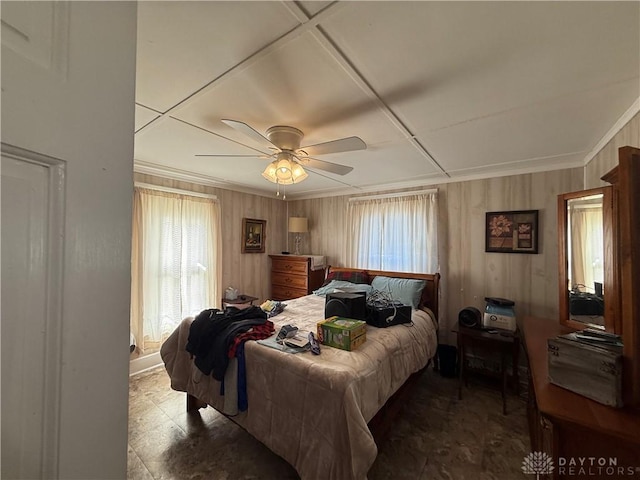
(30,323)
(68,85)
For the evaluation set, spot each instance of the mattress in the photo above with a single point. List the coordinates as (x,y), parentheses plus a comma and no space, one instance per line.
(313,410)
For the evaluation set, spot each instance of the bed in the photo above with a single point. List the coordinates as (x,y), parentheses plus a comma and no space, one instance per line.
(322,413)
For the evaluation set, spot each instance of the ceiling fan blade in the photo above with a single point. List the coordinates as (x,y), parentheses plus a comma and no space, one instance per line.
(348,144)
(241,156)
(250,132)
(324,165)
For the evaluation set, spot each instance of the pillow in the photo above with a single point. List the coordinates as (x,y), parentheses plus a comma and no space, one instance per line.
(406,290)
(343,286)
(358,276)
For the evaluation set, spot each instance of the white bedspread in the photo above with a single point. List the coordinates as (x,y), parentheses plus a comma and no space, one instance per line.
(313,410)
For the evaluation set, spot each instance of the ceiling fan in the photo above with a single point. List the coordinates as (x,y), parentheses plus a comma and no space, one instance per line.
(283,146)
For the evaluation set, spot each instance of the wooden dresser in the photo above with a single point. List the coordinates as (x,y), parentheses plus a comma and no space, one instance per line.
(567,426)
(293,277)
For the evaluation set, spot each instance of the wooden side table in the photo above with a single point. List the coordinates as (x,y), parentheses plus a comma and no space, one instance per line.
(240,300)
(507,343)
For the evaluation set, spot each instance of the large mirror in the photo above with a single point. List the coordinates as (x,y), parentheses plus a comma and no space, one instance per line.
(587,267)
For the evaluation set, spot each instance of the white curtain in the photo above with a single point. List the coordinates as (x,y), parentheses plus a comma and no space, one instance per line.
(586,248)
(175,256)
(395,234)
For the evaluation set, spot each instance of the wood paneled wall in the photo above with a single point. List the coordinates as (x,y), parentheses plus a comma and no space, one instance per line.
(248,272)
(607,158)
(468,273)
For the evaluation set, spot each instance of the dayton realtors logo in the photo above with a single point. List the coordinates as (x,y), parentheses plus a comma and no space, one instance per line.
(537,463)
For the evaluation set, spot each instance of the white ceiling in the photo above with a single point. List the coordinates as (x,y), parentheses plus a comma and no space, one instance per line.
(439,91)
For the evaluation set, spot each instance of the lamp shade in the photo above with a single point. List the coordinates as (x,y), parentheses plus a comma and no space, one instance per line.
(298,225)
(283,171)
(270,172)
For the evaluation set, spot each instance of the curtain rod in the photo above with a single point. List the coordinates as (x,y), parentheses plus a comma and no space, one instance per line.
(178,191)
(394,195)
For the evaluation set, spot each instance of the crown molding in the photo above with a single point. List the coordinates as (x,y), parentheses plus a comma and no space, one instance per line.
(613,131)
(433,180)
(171,173)
(495,171)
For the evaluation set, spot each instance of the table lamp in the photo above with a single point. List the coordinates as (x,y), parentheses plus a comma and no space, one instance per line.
(298,225)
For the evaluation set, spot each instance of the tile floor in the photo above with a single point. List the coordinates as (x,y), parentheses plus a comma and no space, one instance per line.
(436,437)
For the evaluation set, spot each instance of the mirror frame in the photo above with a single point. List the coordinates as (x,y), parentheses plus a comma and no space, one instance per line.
(611,290)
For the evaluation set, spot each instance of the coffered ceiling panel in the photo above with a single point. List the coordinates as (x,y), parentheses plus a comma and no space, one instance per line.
(437,90)
(172,142)
(314,6)
(547,134)
(184,45)
(144,116)
(299,84)
(511,59)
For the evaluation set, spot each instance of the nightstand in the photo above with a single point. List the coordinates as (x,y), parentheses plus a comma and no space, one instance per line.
(241,301)
(505,342)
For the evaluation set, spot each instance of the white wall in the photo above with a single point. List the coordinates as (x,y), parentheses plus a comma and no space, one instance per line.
(68,86)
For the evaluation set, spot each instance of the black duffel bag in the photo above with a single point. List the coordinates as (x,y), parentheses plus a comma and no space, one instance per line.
(386,316)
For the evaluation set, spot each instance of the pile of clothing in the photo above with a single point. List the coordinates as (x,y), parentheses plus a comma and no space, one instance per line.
(216,339)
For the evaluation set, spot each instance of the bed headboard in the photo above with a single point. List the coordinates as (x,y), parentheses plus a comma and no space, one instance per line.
(431,290)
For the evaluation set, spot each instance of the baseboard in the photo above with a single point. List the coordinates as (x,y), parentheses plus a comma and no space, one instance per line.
(142,364)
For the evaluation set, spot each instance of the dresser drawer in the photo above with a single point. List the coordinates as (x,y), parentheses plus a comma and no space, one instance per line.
(280,292)
(289,280)
(292,277)
(289,266)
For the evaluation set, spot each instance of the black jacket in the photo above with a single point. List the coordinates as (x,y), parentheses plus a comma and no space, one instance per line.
(212,332)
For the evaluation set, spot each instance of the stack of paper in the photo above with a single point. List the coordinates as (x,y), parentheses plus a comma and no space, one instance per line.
(595,337)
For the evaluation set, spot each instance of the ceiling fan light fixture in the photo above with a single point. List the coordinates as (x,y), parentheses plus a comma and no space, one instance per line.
(284,171)
(270,172)
(284,143)
(298,173)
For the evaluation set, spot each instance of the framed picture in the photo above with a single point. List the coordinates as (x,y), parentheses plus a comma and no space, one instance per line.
(512,232)
(253,235)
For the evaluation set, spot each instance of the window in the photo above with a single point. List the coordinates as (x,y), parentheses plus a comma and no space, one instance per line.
(174,260)
(585,245)
(394,233)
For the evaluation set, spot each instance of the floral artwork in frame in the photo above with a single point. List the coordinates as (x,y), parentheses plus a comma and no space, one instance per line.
(512,232)
(253,235)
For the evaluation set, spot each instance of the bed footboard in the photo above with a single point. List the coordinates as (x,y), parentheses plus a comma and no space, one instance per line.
(194,404)
(380,425)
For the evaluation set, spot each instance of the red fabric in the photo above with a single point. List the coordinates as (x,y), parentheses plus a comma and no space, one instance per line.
(258,332)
